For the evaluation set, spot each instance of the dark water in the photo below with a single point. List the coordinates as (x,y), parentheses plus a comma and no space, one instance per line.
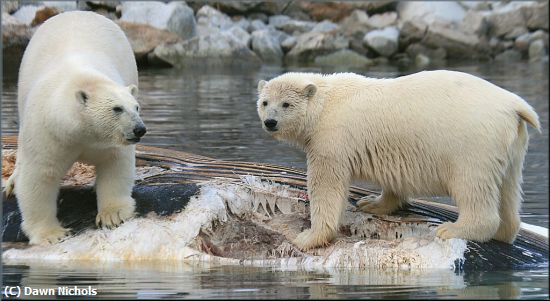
(213,113)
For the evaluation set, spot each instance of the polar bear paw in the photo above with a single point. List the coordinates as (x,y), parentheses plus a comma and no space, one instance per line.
(309,239)
(112,216)
(377,205)
(47,235)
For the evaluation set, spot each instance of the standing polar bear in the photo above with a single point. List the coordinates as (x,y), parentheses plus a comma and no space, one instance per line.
(430,133)
(77,102)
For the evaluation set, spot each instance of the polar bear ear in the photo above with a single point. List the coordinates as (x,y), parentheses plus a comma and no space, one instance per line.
(261,85)
(310,90)
(133,89)
(82,97)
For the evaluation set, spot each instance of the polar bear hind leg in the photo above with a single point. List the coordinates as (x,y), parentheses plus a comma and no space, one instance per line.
(477,197)
(384,204)
(511,194)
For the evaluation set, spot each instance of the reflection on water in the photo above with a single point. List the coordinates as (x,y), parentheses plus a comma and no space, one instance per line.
(147,280)
(213,113)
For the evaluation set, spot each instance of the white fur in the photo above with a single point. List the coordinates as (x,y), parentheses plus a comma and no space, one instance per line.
(76,69)
(430,133)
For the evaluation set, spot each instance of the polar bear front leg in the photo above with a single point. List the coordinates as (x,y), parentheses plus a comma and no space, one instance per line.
(36,190)
(328,186)
(114,182)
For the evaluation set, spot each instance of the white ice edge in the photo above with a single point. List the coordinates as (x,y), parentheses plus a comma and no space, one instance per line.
(171,238)
(536,229)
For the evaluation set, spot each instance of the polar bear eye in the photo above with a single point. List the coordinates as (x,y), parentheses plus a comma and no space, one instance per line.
(264,103)
(286,105)
(118,109)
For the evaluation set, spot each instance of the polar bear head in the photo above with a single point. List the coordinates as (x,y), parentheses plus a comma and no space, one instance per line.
(110,113)
(284,105)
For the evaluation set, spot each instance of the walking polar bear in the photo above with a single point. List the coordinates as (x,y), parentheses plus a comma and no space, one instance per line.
(76,98)
(430,133)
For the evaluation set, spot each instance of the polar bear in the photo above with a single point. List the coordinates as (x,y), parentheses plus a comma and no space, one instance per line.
(432,133)
(77,94)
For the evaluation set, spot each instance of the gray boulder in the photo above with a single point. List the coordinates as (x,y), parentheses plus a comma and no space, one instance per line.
(382,20)
(242,23)
(506,21)
(267,46)
(312,44)
(383,41)
(431,11)
(289,25)
(355,24)
(174,16)
(217,49)
(207,16)
(288,43)
(240,34)
(537,51)
(343,58)
(536,15)
(457,43)
(25,14)
(256,25)
(325,26)
(145,38)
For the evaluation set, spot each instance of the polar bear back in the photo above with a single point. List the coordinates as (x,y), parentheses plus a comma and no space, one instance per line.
(85,38)
(427,105)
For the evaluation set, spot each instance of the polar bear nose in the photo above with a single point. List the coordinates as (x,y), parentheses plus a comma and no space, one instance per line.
(270,123)
(139,131)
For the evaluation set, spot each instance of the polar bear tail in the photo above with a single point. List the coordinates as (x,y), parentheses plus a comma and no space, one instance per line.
(526,112)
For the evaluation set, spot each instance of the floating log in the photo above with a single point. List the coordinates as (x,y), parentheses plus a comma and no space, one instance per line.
(191,207)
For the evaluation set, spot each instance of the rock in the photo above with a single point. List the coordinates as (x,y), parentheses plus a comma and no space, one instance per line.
(9,6)
(412,31)
(217,49)
(355,24)
(256,25)
(62,5)
(258,16)
(25,14)
(431,11)
(536,51)
(288,43)
(44,14)
(421,60)
(437,54)
(312,44)
(536,15)
(15,38)
(325,26)
(267,46)
(242,23)
(506,21)
(476,5)
(382,20)
(522,42)
(208,16)
(475,22)
(108,5)
(343,58)
(509,55)
(319,11)
(8,19)
(289,25)
(539,34)
(458,44)
(245,7)
(240,34)
(174,16)
(145,38)
(383,41)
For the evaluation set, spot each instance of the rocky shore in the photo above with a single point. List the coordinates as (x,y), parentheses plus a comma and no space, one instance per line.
(339,33)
